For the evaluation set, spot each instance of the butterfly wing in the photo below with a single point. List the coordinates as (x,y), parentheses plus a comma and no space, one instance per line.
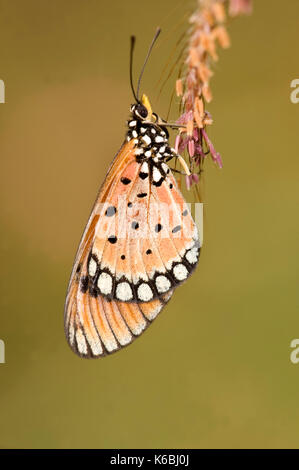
(131,257)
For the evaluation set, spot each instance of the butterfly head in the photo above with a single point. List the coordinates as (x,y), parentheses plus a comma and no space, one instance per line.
(145,124)
(142,110)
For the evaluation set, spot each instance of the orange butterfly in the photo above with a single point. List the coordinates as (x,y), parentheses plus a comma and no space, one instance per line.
(139,244)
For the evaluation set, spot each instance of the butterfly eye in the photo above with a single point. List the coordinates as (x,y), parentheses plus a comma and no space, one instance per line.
(141,111)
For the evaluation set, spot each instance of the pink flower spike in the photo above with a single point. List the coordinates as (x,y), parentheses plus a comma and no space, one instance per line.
(177,143)
(184,118)
(215,155)
(199,151)
(238,7)
(195,178)
(183,144)
(191,147)
(219,160)
(189,181)
(209,143)
(195,134)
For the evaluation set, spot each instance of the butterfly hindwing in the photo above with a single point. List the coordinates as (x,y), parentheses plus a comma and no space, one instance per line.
(96,327)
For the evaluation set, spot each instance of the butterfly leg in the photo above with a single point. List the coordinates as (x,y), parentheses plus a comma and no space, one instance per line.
(182,162)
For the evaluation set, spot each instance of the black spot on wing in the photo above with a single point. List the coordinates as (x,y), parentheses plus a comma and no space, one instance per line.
(125,180)
(84,284)
(111,210)
(78,268)
(158,183)
(176,229)
(135,225)
(94,292)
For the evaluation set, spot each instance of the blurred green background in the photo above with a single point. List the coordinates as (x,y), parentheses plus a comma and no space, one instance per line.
(214,369)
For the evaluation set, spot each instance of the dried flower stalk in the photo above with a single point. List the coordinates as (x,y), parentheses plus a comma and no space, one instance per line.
(207,33)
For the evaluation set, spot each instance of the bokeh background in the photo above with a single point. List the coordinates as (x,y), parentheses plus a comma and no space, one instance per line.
(214,369)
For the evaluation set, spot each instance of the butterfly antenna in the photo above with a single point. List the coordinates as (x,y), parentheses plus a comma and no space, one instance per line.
(146,59)
(133,39)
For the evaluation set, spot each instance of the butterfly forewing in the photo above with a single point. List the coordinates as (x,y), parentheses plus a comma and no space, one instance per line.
(140,243)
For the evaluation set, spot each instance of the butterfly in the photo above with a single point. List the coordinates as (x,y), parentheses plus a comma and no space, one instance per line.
(140,242)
